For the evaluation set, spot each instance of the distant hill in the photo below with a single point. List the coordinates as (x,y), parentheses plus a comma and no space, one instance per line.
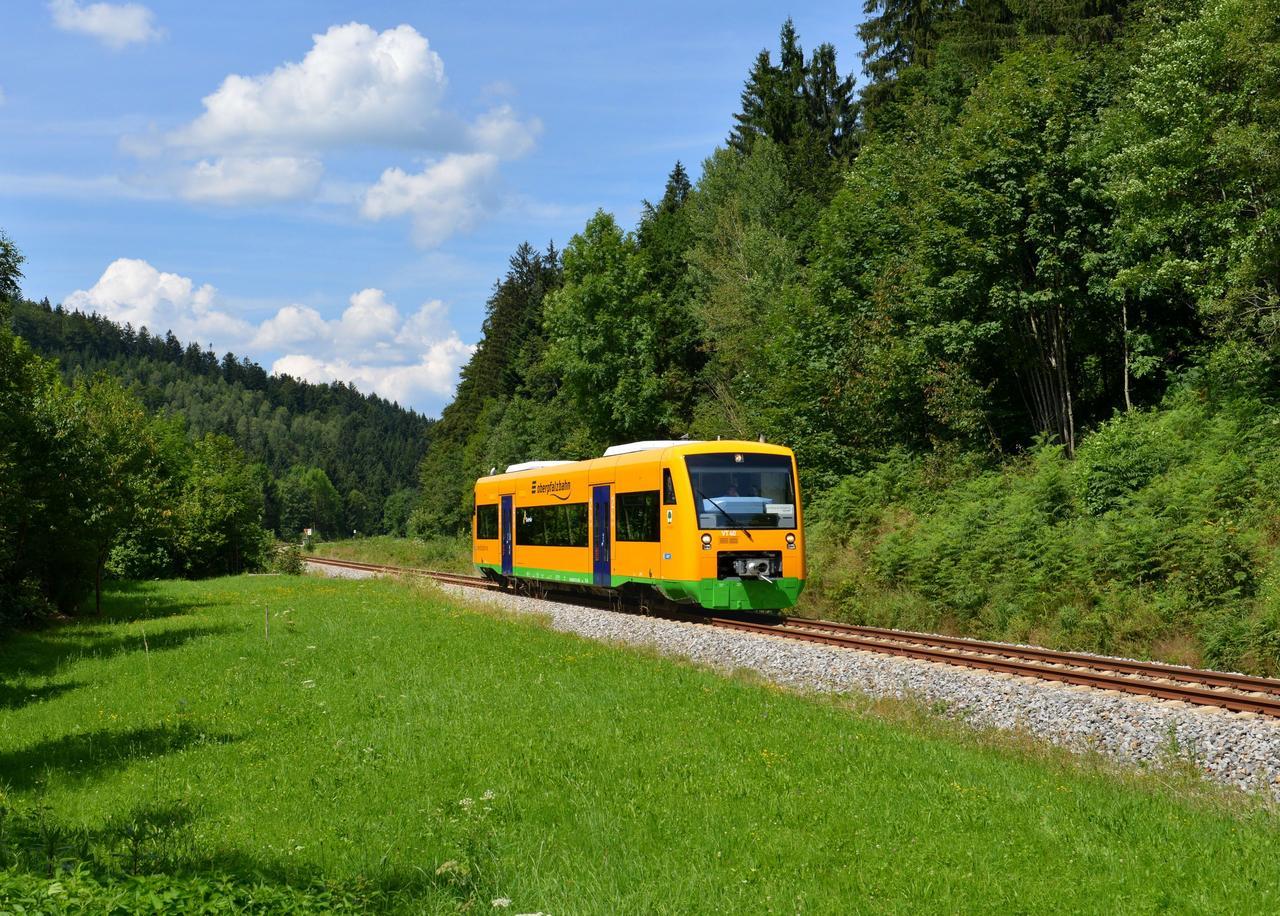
(369,447)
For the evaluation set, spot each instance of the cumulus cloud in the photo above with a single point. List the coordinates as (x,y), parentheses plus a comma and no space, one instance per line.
(116,25)
(131,290)
(448,196)
(251,179)
(264,138)
(435,373)
(292,327)
(354,85)
(371,344)
(369,319)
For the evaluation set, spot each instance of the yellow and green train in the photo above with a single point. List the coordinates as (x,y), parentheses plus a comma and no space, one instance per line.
(717,524)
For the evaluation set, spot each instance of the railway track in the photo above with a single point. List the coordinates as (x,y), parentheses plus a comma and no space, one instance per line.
(1235,692)
(450,578)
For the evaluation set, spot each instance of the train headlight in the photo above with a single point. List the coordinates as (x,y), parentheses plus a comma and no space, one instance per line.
(706,542)
(791,540)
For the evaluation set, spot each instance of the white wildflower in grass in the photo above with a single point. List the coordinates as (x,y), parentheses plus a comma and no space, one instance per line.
(487,796)
(501,902)
(466,804)
(308,684)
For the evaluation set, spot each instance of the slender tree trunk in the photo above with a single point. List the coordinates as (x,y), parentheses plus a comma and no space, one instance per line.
(1124,326)
(1064,381)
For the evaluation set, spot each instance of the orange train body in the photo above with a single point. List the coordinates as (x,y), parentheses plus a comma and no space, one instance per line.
(718,524)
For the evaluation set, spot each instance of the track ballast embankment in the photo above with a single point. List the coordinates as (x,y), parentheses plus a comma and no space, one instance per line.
(1225,690)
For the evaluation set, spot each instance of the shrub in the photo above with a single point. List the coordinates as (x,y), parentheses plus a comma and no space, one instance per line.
(1165,530)
(287,559)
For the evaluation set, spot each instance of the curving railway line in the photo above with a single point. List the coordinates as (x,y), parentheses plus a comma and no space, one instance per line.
(1235,692)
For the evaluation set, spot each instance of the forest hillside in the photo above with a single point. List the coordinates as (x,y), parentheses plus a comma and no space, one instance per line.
(1010,292)
(331,458)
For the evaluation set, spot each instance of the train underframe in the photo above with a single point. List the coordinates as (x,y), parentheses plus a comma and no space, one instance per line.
(730,593)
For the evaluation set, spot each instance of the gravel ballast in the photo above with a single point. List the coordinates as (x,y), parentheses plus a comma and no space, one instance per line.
(1241,750)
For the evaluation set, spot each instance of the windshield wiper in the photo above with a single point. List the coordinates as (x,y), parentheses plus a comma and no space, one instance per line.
(725,513)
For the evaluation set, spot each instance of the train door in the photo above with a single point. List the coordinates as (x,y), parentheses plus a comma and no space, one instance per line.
(668,525)
(508,535)
(600,552)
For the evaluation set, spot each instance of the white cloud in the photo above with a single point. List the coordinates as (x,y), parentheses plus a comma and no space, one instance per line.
(435,372)
(499,132)
(354,86)
(292,327)
(131,290)
(430,323)
(114,24)
(448,196)
(371,345)
(249,179)
(370,318)
(262,138)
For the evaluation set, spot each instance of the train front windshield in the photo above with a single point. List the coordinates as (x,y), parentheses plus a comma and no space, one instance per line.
(743,490)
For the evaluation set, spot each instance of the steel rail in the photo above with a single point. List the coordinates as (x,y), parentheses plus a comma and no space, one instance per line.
(904,648)
(1102,673)
(452,578)
(1226,679)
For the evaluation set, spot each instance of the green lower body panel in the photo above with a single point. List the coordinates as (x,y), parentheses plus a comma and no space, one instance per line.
(713,594)
(735,594)
(549,575)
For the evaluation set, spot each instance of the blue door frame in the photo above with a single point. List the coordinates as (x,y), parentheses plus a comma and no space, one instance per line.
(508,529)
(601,542)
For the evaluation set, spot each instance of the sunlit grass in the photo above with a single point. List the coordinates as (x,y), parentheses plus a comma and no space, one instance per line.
(377,739)
(445,554)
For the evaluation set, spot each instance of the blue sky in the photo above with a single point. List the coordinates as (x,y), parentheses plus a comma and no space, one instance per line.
(332,188)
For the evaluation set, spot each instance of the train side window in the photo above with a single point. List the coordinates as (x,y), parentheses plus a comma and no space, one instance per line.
(559,525)
(637,516)
(486,523)
(668,488)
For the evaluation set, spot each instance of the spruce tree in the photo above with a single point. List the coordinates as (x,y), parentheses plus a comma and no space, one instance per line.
(797,103)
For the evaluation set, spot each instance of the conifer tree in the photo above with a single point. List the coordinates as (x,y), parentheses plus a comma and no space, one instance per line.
(797,102)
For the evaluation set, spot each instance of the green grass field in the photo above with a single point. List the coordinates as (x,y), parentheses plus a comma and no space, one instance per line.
(303,743)
(441,554)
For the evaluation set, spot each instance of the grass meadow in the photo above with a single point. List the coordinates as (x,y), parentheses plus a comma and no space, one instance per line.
(298,743)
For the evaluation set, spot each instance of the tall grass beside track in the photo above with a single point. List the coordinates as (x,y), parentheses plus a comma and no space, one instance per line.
(443,554)
(300,743)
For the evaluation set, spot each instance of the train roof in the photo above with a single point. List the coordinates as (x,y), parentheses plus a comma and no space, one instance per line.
(641,452)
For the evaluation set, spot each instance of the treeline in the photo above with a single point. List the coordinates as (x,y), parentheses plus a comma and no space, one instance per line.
(92,484)
(1028,219)
(334,459)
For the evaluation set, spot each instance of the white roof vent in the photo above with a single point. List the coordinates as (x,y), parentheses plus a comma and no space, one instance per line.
(646,446)
(533,465)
